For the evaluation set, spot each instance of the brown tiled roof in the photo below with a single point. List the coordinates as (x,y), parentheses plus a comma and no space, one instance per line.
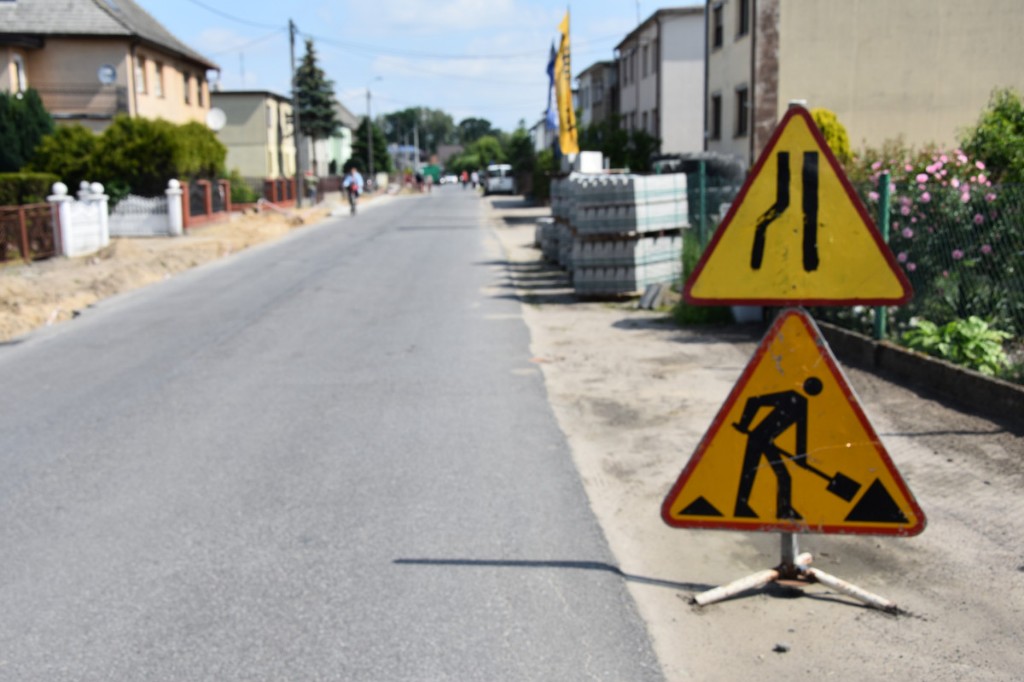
(91,18)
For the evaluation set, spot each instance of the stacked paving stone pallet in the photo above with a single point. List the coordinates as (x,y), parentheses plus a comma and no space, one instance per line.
(617,234)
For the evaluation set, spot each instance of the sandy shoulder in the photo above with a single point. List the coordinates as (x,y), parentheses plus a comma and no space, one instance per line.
(634,394)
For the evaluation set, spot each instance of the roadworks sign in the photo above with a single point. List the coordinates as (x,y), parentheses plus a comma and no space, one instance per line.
(797,234)
(791,450)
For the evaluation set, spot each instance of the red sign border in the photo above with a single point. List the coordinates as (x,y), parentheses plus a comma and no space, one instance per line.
(908,291)
(734,395)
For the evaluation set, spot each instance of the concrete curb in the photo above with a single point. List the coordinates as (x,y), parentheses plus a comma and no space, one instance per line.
(969,390)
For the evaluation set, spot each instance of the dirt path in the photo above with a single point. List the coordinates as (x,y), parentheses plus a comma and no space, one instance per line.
(634,394)
(52,291)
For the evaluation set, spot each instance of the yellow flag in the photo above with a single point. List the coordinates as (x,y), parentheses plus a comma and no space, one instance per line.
(563,93)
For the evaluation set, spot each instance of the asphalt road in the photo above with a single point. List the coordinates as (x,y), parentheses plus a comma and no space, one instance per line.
(326,458)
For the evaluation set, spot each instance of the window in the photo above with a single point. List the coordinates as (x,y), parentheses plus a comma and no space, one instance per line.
(598,93)
(140,75)
(715,123)
(716,26)
(632,121)
(632,66)
(646,61)
(199,92)
(743,21)
(742,111)
(187,87)
(270,115)
(655,56)
(20,80)
(643,121)
(158,79)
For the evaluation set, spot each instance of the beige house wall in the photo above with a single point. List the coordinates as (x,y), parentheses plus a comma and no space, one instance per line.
(728,70)
(183,95)
(65,71)
(920,69)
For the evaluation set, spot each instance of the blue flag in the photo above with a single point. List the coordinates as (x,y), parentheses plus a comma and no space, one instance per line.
(551,116)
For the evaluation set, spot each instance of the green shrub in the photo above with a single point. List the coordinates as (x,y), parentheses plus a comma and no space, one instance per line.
(67,153)
(998,137)
(241,192)
(685,314)
(834,133)
(969,342)
(23,123)
(139,152)
(144,154)
(198,152)
(25,188)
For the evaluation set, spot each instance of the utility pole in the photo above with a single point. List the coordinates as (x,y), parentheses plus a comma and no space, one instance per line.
(369,139)
(300,164)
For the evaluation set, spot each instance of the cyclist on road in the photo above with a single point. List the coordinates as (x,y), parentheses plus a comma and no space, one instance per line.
(353,187)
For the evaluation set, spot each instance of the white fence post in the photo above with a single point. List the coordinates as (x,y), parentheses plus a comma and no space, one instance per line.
(61,215)
(98,201)
(175,219)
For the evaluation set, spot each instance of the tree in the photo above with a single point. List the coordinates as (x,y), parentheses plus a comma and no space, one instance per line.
(318,119)
(472,129)
(435,127)
(360,157)
(23,123)
(998,137)
(610,138)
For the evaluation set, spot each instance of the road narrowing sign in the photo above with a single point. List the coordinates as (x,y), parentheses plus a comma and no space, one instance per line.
(791,450)
(797,234)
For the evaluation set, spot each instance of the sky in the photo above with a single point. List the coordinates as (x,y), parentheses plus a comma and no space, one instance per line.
(470,58)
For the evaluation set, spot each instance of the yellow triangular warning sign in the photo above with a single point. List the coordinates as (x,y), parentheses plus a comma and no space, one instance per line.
(791,450)
(797,234)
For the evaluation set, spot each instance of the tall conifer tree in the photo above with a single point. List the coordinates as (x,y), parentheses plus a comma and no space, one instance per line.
(318,117)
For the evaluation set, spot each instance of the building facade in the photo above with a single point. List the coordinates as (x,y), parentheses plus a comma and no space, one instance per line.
(661,78)
(93,59)
(598,88)
(258,134)
(920,70)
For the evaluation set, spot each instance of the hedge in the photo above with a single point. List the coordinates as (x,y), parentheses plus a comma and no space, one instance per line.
(25,188)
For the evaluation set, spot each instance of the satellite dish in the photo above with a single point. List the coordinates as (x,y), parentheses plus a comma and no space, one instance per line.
(215,119)
(107,74)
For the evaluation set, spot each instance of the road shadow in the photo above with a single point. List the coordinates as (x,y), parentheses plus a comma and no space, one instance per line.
(556,564)
(535,282)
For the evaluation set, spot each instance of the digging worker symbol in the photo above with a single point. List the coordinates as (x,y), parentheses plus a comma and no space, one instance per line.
(788,409)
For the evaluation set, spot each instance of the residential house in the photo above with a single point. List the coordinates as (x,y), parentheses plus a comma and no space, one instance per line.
(92,59)
(917,69)
(258,133)
(598,93)
(338,149)
(661,78)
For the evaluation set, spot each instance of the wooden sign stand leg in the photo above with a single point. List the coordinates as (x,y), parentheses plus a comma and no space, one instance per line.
(794,566)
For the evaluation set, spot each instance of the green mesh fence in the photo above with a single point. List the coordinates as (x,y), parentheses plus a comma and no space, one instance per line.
(961,247)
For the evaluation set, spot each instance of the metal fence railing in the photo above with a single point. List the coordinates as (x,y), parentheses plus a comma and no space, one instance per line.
(961,245)
(962,248)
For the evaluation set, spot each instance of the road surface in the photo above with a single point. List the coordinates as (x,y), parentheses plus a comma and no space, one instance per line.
(326,458)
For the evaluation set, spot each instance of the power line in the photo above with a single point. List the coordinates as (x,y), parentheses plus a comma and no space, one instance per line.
(231,17)
(256,41)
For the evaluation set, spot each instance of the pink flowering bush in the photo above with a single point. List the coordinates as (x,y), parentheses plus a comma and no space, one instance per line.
(958,237)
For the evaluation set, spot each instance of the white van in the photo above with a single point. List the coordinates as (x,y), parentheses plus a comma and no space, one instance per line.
(498,179)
